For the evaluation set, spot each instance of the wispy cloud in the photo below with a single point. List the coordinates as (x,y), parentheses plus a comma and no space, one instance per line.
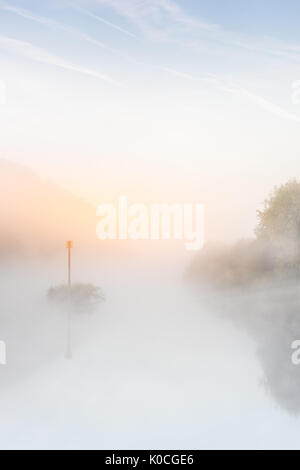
(178,15)
(54,24)
(166,19)
(181,74)
(230,87)
(24,13)
(104,21)
(38,54)
(65,28)
(268,105)
(149,15)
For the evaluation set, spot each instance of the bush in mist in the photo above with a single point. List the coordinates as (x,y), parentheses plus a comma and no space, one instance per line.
(241,263)
(82,298)
(275,252)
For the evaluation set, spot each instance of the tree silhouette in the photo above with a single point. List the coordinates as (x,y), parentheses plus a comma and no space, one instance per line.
(279,224)
(81,298)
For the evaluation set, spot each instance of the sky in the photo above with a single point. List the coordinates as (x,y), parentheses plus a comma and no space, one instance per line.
(159,100)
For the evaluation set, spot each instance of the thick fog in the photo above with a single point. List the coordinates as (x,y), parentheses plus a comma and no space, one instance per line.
(159,364)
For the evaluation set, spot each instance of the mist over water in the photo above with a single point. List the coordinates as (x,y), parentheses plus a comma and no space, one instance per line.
(160,364)
(133,132)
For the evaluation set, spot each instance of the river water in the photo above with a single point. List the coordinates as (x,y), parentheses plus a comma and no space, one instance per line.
(159,365)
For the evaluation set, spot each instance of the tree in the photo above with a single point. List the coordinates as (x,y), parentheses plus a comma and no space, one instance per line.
(242,263)
(82,298)
(279,224)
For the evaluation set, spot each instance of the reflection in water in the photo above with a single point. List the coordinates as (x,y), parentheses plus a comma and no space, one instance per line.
(271,314)
(153,368)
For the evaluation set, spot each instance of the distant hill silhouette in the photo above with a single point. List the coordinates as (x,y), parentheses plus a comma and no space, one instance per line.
(37,215)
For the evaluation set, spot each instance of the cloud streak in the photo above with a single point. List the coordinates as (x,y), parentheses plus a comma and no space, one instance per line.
(54,24)
(164,19)
(230,87)
(155,10)
(102,20)
(38,54)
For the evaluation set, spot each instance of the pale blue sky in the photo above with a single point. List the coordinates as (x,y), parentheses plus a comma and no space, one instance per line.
(154,98)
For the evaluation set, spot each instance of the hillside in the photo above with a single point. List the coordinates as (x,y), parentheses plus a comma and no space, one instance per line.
(37,215)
